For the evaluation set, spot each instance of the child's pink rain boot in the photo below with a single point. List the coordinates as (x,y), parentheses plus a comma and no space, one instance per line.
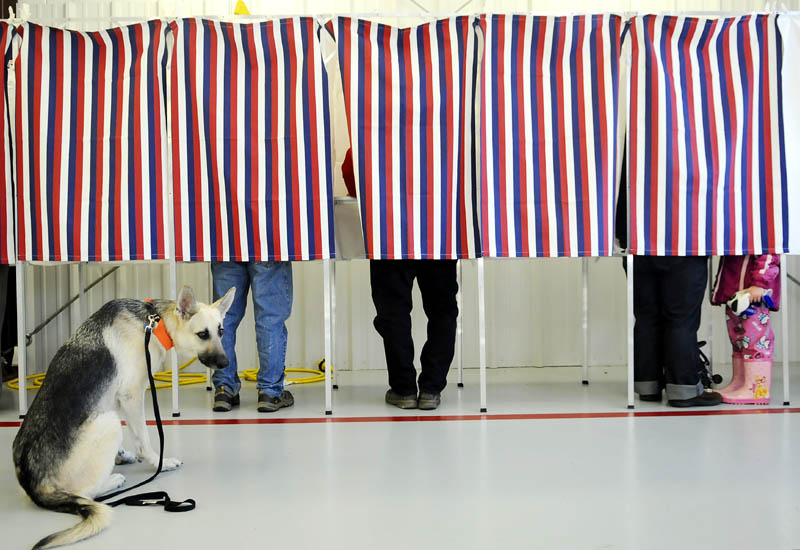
(755,390)
(738,376)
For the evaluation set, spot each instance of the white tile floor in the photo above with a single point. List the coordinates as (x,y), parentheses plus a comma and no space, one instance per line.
(601,483)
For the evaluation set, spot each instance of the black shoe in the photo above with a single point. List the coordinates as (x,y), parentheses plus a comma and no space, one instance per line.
(705,399)
(428,401)
(224,400)
(650,397)
(268,404)
(402,401)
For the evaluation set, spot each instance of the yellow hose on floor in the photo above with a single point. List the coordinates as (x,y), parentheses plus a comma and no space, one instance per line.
(188,378)
(184,378)
(319,374)
(37,380)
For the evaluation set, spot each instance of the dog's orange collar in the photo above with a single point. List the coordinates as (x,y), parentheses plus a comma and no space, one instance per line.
(161,333)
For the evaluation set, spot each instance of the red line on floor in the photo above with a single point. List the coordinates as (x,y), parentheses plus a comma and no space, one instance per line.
(454,418)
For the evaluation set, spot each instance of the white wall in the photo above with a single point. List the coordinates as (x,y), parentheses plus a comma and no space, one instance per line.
(533,312)
(533,306)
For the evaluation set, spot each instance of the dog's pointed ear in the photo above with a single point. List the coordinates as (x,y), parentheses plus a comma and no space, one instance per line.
(186,305)
(224,303)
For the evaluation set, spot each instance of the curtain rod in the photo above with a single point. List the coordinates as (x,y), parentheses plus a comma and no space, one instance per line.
(421,15)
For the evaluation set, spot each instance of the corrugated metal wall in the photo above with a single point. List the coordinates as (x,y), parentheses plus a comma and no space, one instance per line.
(533,306)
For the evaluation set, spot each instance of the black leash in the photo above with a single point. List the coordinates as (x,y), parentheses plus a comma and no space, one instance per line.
(157,498)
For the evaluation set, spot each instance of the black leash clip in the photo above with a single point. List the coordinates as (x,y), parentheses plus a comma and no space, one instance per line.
(152,321)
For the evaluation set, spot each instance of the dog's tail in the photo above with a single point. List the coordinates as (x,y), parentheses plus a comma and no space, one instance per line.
(96,517)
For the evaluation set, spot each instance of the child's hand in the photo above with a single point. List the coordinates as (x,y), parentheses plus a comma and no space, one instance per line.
(756,293)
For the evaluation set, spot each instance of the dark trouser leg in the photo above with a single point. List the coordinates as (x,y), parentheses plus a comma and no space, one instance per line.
(437,283)
(392,281)
(683,286)
(647,332)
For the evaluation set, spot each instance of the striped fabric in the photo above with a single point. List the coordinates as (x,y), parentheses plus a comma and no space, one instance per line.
(91,143)
(409,105)
(707,164)
(8,254)
(549,134)
(251,142)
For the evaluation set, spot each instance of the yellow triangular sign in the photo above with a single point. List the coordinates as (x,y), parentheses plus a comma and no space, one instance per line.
(241,8)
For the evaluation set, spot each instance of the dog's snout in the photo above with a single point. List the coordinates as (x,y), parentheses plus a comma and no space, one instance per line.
(214,360)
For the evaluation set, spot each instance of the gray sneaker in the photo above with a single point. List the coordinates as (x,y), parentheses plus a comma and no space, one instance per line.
(429,401)
(402,401)
(268,404)
(224,400)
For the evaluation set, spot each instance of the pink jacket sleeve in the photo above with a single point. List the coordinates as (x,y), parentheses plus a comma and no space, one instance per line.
(765,270)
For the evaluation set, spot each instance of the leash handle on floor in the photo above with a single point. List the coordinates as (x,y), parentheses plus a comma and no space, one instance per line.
(157,498)
(160,498)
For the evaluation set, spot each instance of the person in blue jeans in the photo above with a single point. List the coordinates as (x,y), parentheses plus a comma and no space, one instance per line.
(272,304)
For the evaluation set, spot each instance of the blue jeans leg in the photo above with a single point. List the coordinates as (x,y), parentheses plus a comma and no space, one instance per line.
(225,276)
(272,303)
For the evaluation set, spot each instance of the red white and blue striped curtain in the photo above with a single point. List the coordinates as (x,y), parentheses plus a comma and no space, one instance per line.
(91,143)
(706,157)
(549,108)
(251,142)
(409,100)
(8,254)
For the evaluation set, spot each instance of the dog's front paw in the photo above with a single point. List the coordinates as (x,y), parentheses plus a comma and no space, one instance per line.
(171,464)
(167,464)
(115,481)
(149,458)
(124,457)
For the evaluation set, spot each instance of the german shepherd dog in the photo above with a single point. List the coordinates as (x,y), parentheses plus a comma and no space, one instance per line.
(71,437)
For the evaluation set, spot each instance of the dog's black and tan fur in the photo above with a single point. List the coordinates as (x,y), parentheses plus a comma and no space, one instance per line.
(71,437)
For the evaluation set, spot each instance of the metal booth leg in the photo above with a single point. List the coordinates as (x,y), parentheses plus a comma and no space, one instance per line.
(332,360)
(209,382)
(585,280)
(710,345)
(630,330)
(22,348)
(84,308)
(173,284)
(785,333)
(326,283)
(482,333)
(459,325)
